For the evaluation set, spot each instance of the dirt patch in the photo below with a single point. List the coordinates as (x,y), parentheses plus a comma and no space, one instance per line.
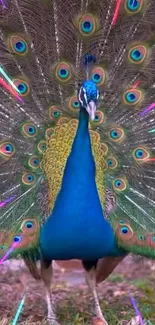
(71,294)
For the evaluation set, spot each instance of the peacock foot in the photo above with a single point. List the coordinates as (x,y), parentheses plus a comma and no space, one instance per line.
(99,321)
(52,321)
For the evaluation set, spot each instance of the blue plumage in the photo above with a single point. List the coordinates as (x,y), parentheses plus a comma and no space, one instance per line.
(95,181)
(77,227)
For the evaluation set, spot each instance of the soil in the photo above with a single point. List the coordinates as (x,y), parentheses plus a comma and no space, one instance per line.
(68,281)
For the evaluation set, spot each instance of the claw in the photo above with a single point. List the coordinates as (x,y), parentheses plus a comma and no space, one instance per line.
(99,321)
(52,322)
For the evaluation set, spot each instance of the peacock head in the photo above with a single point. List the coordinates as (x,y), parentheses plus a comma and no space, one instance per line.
(88,97)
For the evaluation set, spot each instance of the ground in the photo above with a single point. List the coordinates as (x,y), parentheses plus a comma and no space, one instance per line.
(72,297)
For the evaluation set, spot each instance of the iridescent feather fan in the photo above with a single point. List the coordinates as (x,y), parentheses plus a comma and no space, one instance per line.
(64,195)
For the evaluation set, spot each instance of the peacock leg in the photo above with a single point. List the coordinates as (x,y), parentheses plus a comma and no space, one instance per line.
(46,275)
(90,268)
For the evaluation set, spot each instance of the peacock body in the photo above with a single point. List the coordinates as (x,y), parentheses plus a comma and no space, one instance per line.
(77,154)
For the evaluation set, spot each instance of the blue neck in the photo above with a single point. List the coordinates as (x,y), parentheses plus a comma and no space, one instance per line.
(77,227)
(80,164)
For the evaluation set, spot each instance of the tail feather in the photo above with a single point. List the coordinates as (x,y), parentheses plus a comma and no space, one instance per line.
(44,47)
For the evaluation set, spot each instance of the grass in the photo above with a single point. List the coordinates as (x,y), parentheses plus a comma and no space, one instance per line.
(76,308)
(74,305)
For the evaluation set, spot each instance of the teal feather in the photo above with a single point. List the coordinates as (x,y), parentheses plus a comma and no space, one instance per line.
(83,192)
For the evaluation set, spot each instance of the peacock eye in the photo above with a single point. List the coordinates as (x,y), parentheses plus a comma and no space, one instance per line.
(63,73)
(96,77)
(99,118)
(41,146)
(132,96)
(121,222)
(29,130)
(119,184)
(133,5)
(76,104)
(87,26)
(141,237)
(96,118)
(124,230)
(28,179)
(20,46)
(33,162)
(7,150)
(29,224)
(141,154)
(49,132)
(56,114)
(116,134)
(22,88)
(109,161)
(17,239)
(112,162)
(135,55)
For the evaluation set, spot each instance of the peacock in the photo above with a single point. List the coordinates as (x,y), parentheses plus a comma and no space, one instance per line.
(77,141)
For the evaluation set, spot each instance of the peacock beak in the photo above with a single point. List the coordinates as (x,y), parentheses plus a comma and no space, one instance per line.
(91,109)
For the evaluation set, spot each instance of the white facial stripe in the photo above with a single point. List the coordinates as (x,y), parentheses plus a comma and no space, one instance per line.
(80,96)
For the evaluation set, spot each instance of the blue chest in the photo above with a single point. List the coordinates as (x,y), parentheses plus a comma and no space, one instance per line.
(77,228)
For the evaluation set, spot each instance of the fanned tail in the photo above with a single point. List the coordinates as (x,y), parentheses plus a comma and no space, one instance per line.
(47,49)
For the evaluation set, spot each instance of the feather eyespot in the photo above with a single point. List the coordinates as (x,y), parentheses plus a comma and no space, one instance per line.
(29,226)
(74,104)
(141,237)
(99,118)
(121,222)
(116,134)
(49,132)
(98,75)
(141,154)
(150,241)
(137,54)
(34,162)
(63,72)
(17,239)
(119,184)
(29,130)
(124,232)
(18,45)
(87,25)
(133,6)
(54,112)
(28,179)
(132,96)
(7,150)
(41,146)
(112,162)
(22,87)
